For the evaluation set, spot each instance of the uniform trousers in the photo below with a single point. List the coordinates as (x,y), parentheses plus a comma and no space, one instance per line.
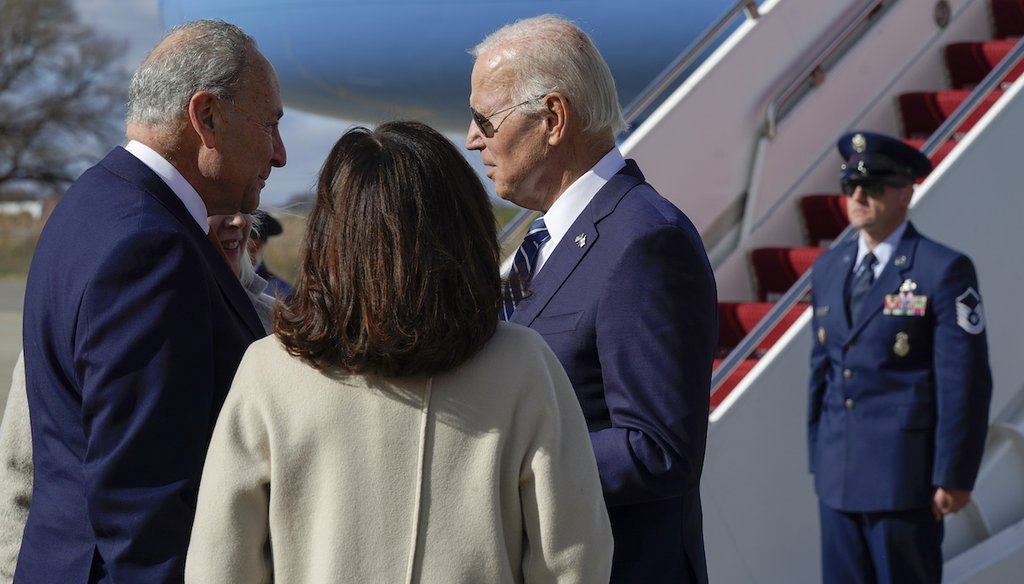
(880,547)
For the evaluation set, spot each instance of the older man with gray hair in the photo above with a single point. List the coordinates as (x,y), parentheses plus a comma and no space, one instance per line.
(133,323)
(613,276)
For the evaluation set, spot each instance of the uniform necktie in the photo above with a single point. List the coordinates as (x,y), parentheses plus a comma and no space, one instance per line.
(861,284)
(523,264)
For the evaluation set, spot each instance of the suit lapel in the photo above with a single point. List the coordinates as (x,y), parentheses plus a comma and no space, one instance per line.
(569,253)
(889,280)
(130,168)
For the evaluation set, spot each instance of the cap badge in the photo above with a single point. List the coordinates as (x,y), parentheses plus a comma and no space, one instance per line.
(859,142)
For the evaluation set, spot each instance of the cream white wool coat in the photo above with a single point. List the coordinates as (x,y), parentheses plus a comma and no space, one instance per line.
(482,474)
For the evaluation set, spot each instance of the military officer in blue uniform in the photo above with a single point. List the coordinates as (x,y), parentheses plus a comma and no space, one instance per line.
(900,382)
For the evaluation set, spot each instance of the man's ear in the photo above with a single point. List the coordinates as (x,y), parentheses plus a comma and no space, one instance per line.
(206,116)
(556,116)
(906,196)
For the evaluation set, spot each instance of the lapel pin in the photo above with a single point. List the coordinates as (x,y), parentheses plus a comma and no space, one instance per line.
(581,240)
(901,260)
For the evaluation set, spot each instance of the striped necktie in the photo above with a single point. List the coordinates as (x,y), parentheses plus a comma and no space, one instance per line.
(522,267)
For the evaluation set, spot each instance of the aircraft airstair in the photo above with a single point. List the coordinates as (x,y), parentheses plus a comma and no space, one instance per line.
(746,146)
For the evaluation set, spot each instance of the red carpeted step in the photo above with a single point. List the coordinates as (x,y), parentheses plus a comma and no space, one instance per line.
(730,382)
(1008,18)
(776,269)
(969,62)
(939,154)
(824,217)
(923,112)
(737,319)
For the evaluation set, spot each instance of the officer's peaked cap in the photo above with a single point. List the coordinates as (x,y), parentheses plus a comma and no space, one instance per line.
(872,155)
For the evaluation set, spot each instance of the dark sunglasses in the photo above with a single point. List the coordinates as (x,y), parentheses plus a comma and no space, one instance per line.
(872,187)
(484,122)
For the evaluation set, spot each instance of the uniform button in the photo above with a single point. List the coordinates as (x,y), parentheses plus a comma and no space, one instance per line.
(847,374)
(849,404)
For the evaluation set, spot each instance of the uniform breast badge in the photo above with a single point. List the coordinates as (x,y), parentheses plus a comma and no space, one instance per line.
(902,345)
(906,303)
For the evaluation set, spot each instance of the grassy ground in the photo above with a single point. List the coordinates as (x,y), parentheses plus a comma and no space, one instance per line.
(18,236)
(19,233)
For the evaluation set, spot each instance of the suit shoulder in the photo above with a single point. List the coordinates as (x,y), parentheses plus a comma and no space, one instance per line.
(645,205)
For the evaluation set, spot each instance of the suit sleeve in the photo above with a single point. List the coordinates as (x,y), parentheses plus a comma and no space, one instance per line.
(231,531)
(819,366)
(145,365)
(567,534)
(657,326)
(963,380)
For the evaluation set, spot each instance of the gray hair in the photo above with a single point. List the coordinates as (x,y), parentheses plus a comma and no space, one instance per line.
(548,53)
(211,55)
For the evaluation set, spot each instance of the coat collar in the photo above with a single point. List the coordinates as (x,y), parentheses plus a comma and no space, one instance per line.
(889,280)
(124,164)
(576,244)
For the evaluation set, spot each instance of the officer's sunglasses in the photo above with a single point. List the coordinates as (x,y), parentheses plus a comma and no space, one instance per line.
(872,187)
(484,122)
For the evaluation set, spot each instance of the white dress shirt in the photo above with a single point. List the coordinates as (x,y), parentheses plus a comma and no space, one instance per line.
(181,187)
(567,207)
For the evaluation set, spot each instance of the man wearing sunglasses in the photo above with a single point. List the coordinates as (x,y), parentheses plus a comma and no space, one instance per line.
(900,381)
(615,279)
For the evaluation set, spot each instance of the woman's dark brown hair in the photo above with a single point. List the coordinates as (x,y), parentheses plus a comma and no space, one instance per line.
(399,268)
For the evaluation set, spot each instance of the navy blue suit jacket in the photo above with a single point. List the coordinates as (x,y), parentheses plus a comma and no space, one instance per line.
(133,328)
(631,314)
(898,403)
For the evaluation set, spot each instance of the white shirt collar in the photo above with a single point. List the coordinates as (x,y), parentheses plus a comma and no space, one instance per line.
(181,187)
(883,251)
(568,206)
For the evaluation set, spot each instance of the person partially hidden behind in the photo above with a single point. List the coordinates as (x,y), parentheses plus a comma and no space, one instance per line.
(229,233)
(900,381)
(133,323)
(392,430)
(613,276)
(265,227)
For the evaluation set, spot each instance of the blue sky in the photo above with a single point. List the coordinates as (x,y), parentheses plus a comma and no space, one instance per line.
(307,137)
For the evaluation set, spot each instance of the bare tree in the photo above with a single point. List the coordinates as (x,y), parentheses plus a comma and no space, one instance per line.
(62,94)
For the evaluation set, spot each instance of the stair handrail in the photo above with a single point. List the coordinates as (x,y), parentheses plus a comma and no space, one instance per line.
(948,128)
(803,284)
(655,88)
(687,58)
(814,71)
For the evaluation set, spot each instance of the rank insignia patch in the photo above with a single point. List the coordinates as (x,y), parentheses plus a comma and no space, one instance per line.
(969,315)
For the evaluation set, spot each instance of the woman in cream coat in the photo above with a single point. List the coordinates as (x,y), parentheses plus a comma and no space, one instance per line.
(392,430)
